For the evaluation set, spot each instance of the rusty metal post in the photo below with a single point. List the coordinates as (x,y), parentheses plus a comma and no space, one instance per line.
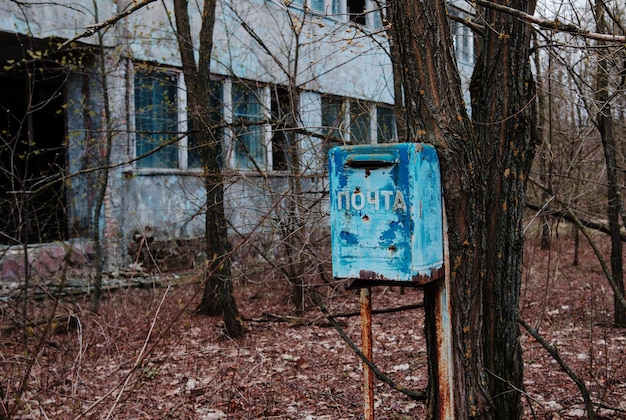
(365,301)
(443,317)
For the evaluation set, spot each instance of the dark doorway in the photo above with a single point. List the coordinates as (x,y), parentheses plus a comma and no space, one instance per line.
(32,148)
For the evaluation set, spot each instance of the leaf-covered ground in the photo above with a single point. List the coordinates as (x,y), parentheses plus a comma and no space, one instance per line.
(147,355)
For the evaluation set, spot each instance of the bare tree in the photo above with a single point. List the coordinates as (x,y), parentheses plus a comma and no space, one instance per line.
(218,295)
(103,163)
(604,121)
(583,155)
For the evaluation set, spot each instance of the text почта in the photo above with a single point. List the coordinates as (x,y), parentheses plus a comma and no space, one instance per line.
(358,200)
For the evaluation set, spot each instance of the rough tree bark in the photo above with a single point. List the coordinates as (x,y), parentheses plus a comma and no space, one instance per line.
(484,166)
(504,116)
(218,292)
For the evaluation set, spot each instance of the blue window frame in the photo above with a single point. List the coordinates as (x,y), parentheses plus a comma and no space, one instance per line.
(156,119)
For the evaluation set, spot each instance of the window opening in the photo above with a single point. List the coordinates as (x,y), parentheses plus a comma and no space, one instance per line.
(385,124)
(333,116)
(326,7)
(359,122)
(249,147)
(378,13)
(156,119)
(318,6)
(356,11)
(32,155)
(282,134)
(194,156)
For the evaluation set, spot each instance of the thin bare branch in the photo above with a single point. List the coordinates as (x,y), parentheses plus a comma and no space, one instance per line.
(553,25)
(92,29)
(567,216)
(553,351)
(607,273)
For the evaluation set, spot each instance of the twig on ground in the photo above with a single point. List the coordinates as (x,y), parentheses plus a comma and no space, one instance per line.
(552,350)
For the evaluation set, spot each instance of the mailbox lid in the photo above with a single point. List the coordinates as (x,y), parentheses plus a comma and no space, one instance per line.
(385,211)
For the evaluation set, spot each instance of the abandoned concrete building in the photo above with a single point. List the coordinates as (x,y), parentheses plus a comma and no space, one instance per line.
(117,100)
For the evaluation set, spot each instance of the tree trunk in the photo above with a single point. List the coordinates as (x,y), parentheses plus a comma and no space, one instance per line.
(605,126)
(102,183)
(295,229)
(217,297)
(544,132)
(398,95)
(484,167)
(504,117)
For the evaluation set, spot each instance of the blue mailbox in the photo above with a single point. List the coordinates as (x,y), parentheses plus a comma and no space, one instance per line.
(386,214)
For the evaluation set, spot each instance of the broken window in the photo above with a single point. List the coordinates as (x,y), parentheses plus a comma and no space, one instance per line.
(156,119)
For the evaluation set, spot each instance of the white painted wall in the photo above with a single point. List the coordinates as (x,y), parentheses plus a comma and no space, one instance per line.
(332,56)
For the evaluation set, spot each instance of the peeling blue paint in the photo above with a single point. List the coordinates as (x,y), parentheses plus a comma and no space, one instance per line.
(349,238)
(385,212)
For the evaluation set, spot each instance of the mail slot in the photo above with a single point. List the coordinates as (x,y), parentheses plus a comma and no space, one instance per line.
(386,214)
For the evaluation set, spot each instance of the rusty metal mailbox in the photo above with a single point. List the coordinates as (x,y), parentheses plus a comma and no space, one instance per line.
(386,214)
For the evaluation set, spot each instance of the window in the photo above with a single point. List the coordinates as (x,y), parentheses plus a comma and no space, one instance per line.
(359,122)
(194,156)
(378,13)
(463,40)
(333,116)
(368,13)
(156,119)
(365,122)
(282,135)
(248,129)
(356,11)
(326,7)
(467,54)
(385,124)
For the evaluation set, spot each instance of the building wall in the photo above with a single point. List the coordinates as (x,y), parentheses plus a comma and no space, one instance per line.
(329,60)
(324,55)
(63,18)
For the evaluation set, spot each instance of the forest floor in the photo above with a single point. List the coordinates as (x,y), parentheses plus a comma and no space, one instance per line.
(147,355)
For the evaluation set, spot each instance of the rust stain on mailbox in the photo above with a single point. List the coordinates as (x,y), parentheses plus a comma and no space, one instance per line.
(386,213)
